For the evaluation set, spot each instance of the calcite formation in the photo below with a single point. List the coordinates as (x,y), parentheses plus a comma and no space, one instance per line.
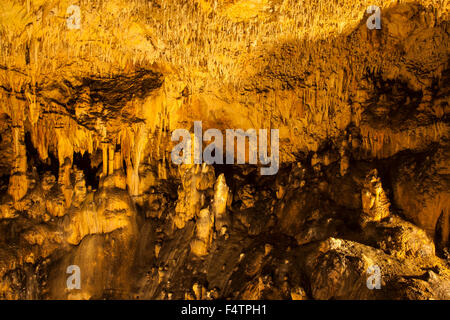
(375,203)
(91,91)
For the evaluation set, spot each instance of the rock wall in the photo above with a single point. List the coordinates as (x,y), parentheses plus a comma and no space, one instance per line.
(86,178)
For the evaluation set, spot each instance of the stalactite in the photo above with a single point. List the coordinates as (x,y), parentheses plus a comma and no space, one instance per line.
(387,142)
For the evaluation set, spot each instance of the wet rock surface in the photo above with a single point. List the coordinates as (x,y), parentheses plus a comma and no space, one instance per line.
(359,208)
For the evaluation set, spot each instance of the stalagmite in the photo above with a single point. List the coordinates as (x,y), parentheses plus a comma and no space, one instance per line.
(219,205)
(95,108)
(375,203)
(105,158)
(345,159)
(79,189)
(196,182)
(64,181)
(18,182)
(110,159)
(203,233)
(118,161)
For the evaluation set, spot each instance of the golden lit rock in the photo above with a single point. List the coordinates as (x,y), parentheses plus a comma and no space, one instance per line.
(89,105)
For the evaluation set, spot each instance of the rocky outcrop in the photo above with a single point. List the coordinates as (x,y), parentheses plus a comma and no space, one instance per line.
(421,191)
(86,177)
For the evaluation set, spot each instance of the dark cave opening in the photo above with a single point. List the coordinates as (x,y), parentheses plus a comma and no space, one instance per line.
(4,181)
(228,172)
(393,101)
(439,236)
(49,165)
(4,178)
(83,162)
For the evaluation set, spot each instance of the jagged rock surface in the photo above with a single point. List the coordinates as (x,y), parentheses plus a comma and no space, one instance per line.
(85,171)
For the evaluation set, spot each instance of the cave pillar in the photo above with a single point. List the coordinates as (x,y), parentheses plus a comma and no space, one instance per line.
(219,204)
(18,182)
(110,159)
(65,181)
(105,158)
(118,160)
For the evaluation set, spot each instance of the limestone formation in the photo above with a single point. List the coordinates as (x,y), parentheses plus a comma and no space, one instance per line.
(86,172)
(203,233)
(375,203)
(197,184)
(219,204)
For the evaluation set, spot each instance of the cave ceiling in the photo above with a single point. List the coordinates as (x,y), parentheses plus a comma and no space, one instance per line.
(91,93)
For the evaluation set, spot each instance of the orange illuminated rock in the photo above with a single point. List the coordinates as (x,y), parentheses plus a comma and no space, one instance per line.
(87,178)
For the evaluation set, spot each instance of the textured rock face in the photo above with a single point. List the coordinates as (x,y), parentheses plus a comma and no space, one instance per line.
(86,177)
(375,204)
(427,179)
